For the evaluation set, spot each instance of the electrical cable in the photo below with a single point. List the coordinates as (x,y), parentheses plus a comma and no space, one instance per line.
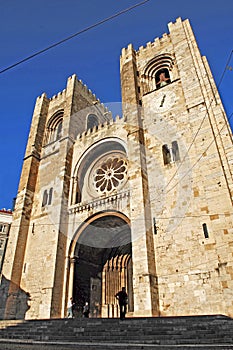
(74,35)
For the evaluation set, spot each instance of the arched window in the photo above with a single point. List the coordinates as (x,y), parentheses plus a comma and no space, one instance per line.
(166,155)
(50,196)
(47,197)
(162,78)
(175,151)
(54,127)
(92,121)
(157,72)
(58,131)
(172,154)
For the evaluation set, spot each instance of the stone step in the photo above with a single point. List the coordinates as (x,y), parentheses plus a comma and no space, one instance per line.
(170,331)
(106,346)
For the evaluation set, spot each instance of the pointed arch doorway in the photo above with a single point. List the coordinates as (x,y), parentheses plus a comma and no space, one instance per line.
(103,265)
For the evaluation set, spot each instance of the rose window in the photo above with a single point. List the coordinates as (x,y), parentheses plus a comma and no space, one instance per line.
(110,174)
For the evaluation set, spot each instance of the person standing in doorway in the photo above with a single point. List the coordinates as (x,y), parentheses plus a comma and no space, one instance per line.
(70,306)
(122,298)
(86,310)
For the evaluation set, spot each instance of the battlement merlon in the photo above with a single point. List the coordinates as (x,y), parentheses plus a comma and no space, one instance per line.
(73,81)
(129,52)
(118,121)
(178,24)
(74,88)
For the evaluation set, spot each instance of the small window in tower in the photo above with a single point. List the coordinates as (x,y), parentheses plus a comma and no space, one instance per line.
(54,128)
(205,230)
(56,132)
(45,198)
(155,226)
(59,131)
(166,155)
(162,78)
(92,121)
(50,196)
(175,151)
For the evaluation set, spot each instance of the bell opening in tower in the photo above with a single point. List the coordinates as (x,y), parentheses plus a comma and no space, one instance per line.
(162,78)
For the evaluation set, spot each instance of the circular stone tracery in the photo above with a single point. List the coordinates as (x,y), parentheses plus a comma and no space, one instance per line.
(110,174)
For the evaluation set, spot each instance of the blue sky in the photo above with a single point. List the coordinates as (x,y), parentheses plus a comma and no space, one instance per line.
(28,26)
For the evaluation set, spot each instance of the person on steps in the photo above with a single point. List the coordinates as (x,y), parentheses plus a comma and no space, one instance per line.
(122,298)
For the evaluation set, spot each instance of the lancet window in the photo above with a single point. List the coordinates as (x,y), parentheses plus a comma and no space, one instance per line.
(54,127)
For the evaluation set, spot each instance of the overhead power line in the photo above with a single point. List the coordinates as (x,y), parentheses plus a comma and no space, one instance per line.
(74,35)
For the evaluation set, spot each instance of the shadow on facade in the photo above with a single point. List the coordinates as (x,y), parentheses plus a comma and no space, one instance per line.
(14,301)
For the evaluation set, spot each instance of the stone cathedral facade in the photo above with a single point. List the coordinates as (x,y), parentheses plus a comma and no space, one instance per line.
(142,201)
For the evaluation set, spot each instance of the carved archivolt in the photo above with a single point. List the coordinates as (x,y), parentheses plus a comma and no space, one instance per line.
(54,127)
(159,64)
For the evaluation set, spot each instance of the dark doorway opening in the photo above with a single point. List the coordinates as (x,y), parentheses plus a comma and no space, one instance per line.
(103,266)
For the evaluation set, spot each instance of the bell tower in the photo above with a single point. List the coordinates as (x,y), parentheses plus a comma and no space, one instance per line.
(182,146)
(36,258)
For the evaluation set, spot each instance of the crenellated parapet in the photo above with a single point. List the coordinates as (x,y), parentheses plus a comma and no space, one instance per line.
(63,94)
(158,43)
(76,102)
(142,68)
(103,127)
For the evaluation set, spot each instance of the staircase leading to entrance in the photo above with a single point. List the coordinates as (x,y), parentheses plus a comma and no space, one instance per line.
(199,332)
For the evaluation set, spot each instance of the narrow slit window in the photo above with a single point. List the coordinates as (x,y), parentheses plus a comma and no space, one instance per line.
(45,198)
(50,196)
(155,227)
(205,230)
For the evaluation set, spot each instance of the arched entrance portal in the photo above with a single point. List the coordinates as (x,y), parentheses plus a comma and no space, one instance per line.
(103,266)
